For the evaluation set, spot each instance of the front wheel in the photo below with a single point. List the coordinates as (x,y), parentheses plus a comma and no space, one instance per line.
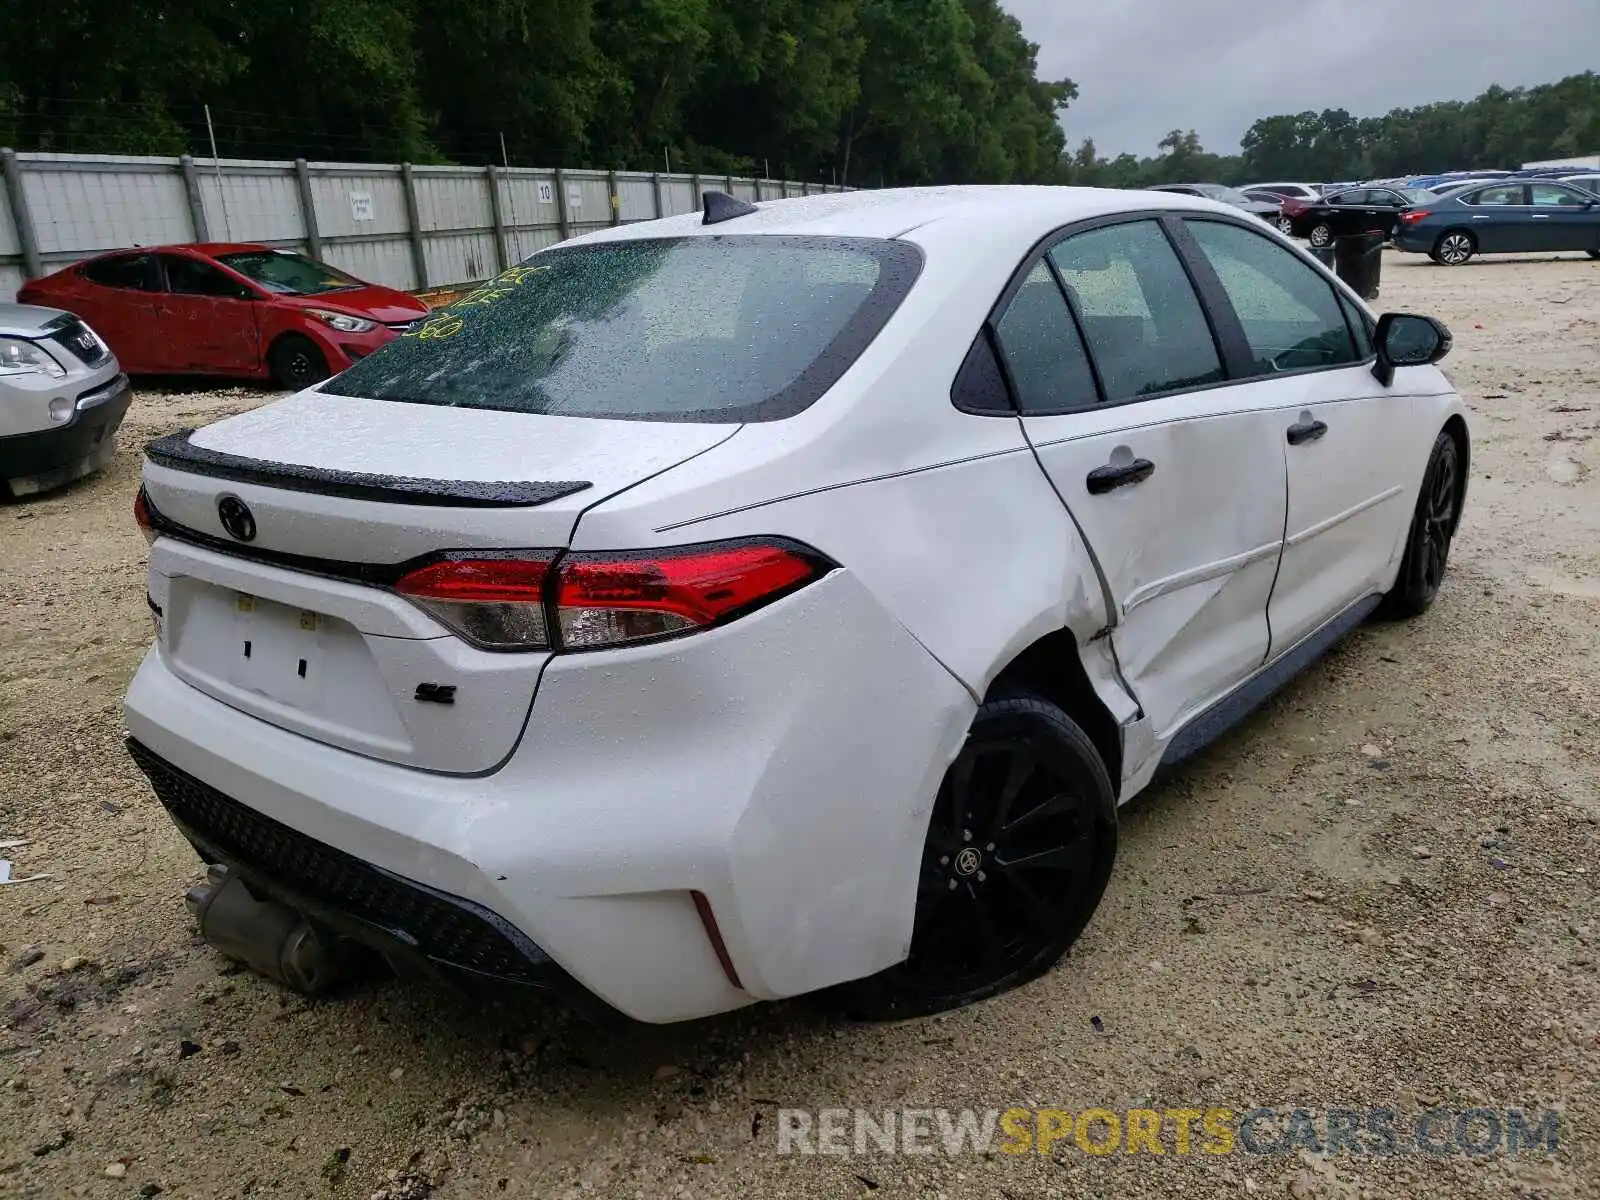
(1454,248)
(1321,234)
(1018,853)
(296,363)
(1433,525)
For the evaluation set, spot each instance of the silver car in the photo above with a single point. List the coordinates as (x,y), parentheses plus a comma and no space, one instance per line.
(62,398)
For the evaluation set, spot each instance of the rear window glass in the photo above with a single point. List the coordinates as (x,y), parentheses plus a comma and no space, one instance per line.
(712,329)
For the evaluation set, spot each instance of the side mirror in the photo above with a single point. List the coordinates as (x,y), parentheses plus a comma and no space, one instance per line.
(1406,340)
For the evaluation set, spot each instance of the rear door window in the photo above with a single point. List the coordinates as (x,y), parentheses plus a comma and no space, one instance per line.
(1146,330)
(717,329)
(131,272)
(1502,195)
(1042,349)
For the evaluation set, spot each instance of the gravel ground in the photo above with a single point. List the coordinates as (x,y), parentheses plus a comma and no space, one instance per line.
(1380,892)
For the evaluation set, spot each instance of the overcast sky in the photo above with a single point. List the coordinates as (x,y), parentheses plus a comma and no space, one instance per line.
(1146,66)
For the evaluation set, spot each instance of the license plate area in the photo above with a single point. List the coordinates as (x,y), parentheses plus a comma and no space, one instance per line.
(284,652)
(297,667)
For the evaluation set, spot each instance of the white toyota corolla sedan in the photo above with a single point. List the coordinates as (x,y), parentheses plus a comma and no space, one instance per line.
(774,599)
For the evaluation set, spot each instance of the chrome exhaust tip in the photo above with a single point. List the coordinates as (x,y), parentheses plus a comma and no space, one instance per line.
(271,938)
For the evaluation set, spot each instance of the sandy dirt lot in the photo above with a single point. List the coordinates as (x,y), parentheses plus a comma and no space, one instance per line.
(1380,892)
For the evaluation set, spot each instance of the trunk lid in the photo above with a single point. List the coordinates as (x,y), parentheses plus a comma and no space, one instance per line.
(295,624)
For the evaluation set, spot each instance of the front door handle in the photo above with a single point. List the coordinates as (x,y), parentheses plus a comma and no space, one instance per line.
(1108,478)
(1306,431)
(1541,216)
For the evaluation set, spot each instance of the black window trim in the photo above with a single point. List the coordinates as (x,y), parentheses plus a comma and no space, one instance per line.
(1227,331)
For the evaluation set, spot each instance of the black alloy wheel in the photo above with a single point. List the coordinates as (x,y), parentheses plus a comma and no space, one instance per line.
(296,363)
(1433,526)
(1018,853)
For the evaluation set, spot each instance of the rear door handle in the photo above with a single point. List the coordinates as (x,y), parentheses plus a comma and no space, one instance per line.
(1108,478)
(1541,216)
(1306,431)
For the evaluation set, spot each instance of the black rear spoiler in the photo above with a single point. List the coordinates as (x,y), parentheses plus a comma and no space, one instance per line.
(179,453)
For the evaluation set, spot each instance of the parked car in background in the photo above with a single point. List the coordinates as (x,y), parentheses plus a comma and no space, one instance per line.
(1455,185)
(1589,181)
(1354,210)
(603,638)
(1270,211)
(229,309)
(1510,217)
(1278,191)
(62,398)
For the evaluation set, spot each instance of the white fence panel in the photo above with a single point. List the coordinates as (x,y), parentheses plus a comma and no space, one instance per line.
(381,260)
(10,243)
(459,257)
(529,198)
(352,201)
(106,204)
(638,196)
(82,205)
(452,199)
(677,196)
(260,204)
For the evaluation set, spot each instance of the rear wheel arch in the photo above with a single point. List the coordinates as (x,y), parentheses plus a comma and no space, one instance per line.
(1052,669)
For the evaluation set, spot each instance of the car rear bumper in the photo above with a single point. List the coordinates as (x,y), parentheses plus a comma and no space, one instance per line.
(781,767)
(50,457)
(1412,241)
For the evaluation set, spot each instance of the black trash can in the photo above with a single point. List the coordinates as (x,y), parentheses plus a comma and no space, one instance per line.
(1358,260)
(1323,254)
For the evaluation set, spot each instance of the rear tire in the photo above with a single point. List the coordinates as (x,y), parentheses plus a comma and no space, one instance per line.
(1283,225)
(1454,248)
(1433,525)
(1321,234)
(1018,854)
(296,363)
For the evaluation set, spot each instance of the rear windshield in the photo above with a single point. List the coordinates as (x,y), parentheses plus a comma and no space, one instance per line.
(711,329)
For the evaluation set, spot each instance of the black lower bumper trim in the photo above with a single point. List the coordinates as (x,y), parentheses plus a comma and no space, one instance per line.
(399,918)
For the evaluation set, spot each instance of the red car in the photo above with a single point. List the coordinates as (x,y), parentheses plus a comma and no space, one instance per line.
(228,309)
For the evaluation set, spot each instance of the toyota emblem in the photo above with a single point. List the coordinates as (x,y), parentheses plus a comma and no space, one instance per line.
(237,518)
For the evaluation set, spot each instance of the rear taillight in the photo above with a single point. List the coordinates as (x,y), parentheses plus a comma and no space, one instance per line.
(496,603)
(592,601)
(1412,215)
(141,516)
